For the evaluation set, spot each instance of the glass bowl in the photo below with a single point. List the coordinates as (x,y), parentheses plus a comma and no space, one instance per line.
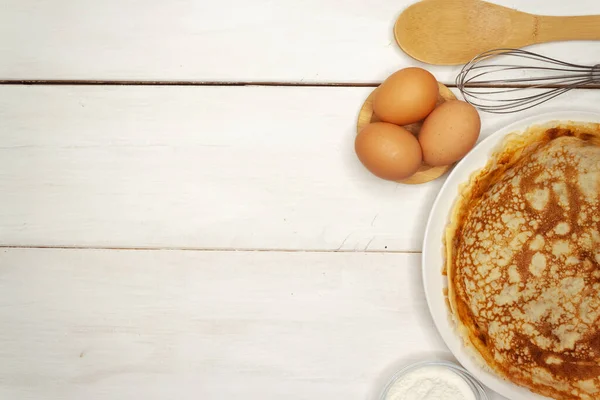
(478,390)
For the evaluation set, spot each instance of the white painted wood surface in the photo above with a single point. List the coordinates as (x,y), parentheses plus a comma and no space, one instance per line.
(226,40)
(203,168)
(220,170)
(100,324)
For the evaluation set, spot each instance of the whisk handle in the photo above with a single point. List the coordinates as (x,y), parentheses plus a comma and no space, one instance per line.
(551,29)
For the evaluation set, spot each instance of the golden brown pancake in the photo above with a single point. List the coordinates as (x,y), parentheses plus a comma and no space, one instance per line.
(523,261)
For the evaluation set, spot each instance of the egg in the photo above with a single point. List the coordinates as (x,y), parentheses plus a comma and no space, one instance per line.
(449,133)
(388,151)
(406,96)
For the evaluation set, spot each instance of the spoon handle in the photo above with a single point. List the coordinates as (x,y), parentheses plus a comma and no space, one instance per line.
(567,28)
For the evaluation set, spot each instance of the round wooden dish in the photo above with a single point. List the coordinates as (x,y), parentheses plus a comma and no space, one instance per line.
(426,173)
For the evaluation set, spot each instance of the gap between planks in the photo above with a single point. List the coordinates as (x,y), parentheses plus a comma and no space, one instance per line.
(182,83)
(201,249)
(245,83)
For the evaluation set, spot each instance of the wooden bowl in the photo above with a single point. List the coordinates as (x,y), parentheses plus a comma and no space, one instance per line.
(426,173)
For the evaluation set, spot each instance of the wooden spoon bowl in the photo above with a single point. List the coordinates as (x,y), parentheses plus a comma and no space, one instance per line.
(426,173)
(450,32)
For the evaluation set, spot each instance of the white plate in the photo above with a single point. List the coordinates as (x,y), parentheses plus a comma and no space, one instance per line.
(433,257)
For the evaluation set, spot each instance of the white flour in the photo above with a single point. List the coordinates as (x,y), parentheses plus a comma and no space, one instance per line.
(430,383)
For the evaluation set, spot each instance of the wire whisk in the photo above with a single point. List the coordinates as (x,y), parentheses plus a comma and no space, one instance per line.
(504,87)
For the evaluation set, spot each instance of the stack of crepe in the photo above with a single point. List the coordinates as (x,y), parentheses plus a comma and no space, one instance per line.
(523,261)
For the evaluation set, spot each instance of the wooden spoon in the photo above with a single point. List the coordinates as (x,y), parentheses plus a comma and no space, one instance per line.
(449,32)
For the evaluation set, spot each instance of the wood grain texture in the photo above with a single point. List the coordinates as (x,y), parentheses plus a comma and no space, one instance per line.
(108,324)
(451,32)
(209,168)
(204,167)
(229,40)
(569,28)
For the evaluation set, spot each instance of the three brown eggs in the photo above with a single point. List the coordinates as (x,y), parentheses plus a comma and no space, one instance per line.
(448,132)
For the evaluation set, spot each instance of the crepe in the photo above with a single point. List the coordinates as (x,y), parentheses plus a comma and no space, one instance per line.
(523,261)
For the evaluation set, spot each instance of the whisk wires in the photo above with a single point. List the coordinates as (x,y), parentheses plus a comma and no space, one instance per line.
(500,88)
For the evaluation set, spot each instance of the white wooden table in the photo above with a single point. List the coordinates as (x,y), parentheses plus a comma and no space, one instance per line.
(182,215)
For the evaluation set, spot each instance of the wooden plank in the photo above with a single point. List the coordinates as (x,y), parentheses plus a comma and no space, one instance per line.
(203,167)
(230,40)
(108,324)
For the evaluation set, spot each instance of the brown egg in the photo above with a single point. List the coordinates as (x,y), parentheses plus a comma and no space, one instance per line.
(449,133)
(388,151)
(407,96)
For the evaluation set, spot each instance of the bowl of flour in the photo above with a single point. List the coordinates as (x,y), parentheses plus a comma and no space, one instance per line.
(433,380)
